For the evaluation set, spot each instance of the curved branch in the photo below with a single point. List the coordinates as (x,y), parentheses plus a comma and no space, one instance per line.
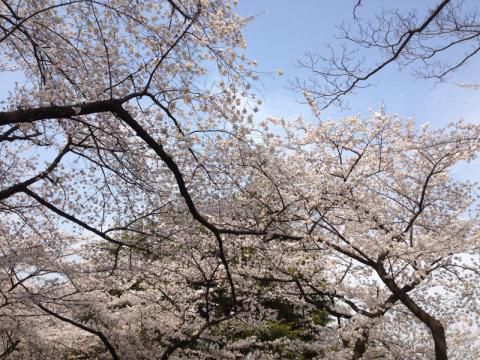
(98,333)
(24,184)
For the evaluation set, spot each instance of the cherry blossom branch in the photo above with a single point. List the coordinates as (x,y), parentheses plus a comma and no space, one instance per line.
(77,221)
(44,174)
(97,333)
(342,68)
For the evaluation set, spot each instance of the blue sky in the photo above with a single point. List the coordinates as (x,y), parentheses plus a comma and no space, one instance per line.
(283,30)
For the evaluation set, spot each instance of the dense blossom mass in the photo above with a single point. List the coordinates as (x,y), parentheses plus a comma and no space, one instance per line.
(146,215)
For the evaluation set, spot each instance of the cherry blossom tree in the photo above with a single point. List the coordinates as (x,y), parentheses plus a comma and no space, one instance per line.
(364,197)
(145,214)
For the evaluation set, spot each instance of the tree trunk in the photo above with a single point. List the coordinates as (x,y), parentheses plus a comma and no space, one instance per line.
(436,327)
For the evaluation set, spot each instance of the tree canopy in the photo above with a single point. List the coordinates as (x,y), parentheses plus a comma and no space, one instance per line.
(146,214)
